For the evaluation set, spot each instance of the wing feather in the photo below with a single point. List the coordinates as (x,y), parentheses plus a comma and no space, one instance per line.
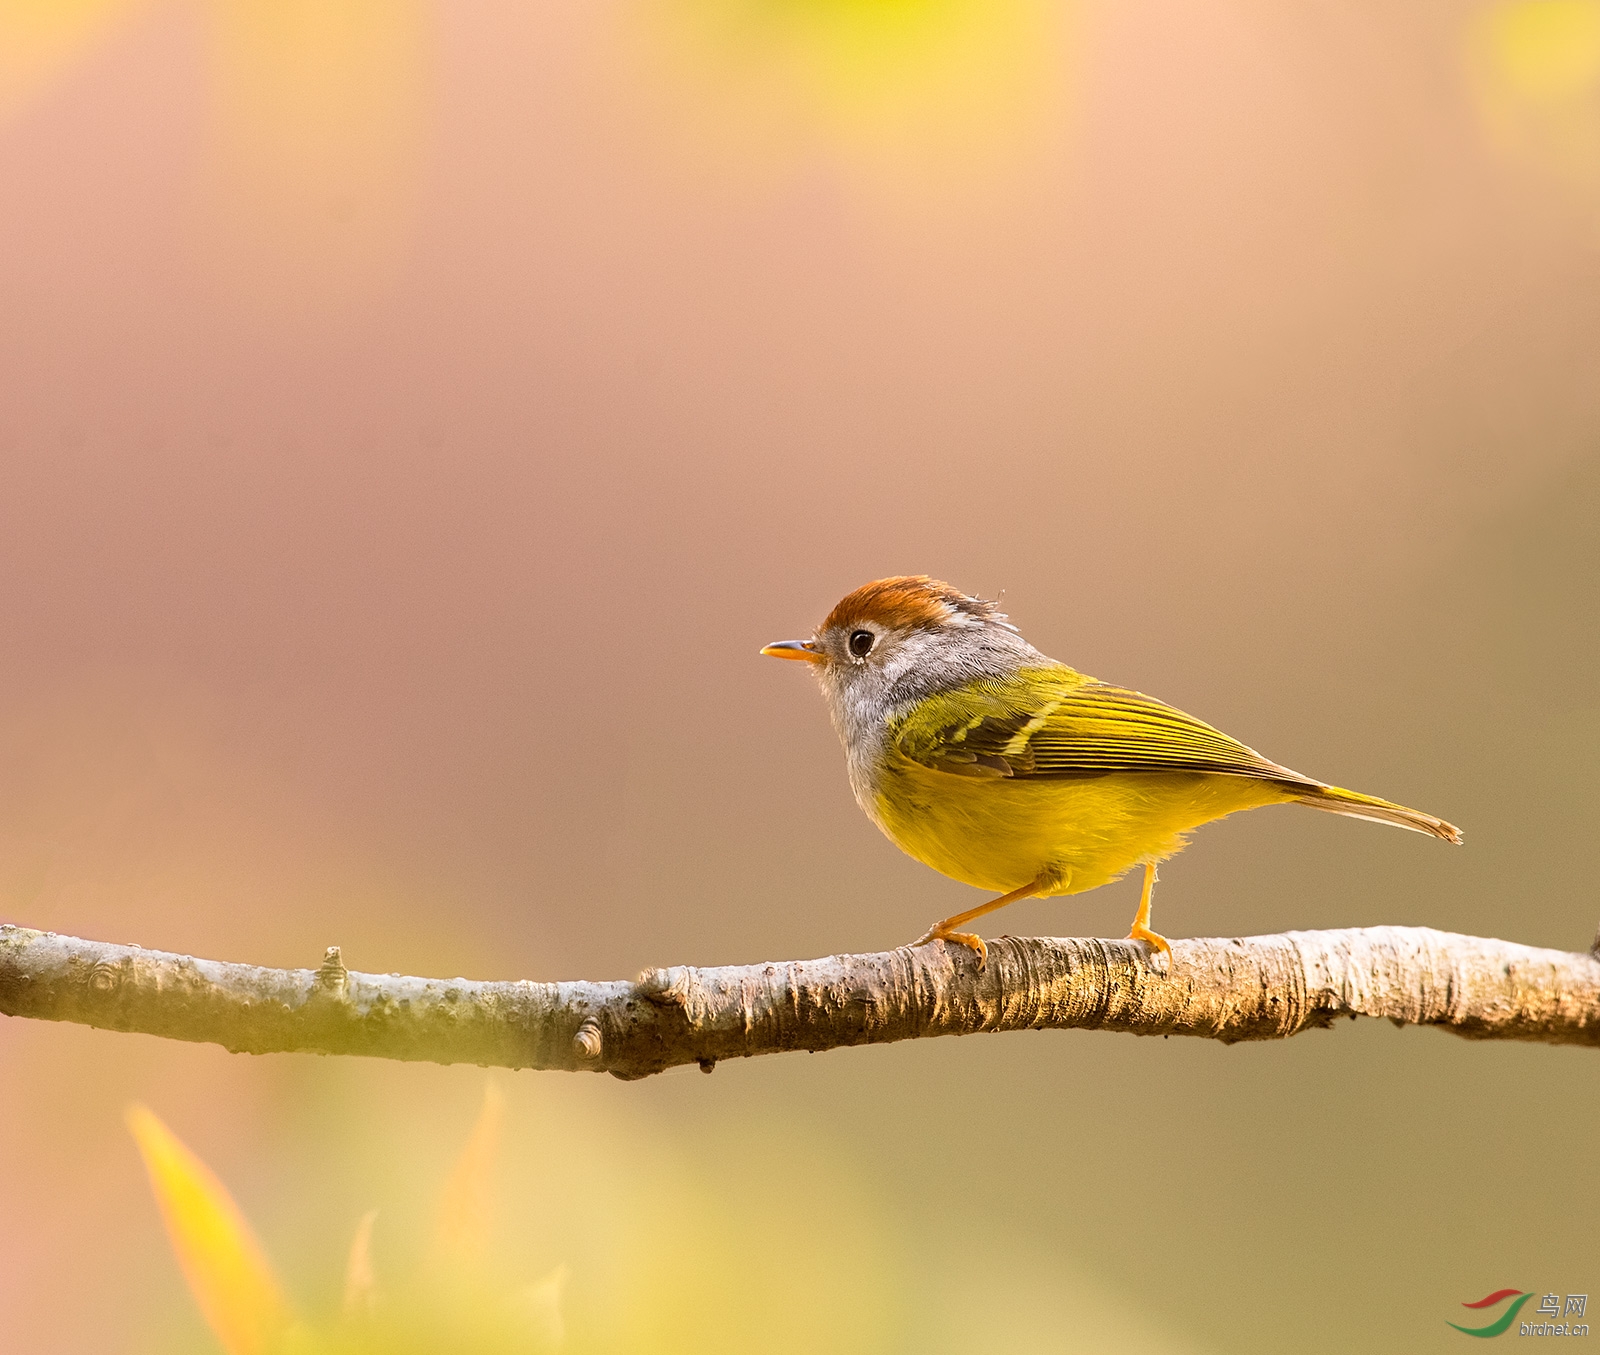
(1059,724)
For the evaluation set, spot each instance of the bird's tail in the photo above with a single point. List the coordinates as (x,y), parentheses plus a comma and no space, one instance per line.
(1338,801)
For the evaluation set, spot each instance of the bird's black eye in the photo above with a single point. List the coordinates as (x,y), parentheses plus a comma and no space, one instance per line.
(861,643)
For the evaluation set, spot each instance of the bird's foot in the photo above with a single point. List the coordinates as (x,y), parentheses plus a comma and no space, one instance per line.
(971,940)
(1154,940)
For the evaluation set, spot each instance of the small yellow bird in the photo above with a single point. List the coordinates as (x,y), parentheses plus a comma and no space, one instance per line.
(1004,769)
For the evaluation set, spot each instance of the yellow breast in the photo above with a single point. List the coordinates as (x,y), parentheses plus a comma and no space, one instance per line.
(1002,833)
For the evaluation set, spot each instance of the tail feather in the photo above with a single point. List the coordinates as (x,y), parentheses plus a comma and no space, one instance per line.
(1357,806)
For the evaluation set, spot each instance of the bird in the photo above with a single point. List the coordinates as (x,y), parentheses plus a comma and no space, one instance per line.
(981,757)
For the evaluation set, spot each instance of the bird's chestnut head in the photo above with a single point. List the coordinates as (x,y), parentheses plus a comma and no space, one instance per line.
(900,639)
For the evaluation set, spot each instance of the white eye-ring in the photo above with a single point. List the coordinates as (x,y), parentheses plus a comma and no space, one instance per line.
(861,642)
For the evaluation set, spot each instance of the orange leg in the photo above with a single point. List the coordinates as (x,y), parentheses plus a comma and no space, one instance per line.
(944,931)
(1141,923)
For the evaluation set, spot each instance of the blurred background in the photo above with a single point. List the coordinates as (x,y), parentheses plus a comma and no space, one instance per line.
(414,417)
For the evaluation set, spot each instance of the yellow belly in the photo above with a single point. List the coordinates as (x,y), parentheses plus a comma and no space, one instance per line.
(1002,833)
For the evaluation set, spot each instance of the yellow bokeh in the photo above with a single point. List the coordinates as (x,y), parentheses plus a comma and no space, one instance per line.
(1547,51)
(316,128)
(317,141)
(918,80)
(41,39)
(1537,71)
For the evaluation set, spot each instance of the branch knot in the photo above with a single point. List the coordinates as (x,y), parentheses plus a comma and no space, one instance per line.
(333,978)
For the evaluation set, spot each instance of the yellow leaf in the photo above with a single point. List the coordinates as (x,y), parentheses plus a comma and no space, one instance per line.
(464,1209)
(227,1271)
(360,1285)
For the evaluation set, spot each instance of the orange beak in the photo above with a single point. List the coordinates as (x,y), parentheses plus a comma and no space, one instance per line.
(795,649)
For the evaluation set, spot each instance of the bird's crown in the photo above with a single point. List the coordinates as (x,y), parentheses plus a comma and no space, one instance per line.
(913,602)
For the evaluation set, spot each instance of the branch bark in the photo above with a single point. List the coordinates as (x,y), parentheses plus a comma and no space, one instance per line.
(1254,988)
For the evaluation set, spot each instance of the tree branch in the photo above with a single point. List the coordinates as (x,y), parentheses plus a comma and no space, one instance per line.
(1255,988)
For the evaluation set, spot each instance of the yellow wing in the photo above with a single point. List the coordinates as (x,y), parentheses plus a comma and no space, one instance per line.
(1050,722)
(1054,722)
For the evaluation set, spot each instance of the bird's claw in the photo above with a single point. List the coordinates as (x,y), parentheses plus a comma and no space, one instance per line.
(1159,945)
(971,940)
